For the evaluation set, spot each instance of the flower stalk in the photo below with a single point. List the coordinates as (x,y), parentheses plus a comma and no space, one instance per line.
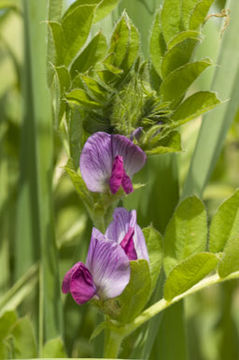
(118,333)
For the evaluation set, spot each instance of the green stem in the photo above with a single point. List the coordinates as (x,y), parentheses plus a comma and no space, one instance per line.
(112,345)
(163,304)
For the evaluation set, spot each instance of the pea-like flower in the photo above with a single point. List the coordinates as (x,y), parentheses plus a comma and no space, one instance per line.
(105,274)
(107,271)
(125,231)
(110,161)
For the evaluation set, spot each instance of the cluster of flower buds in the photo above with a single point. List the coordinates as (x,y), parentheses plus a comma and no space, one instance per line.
(108,162)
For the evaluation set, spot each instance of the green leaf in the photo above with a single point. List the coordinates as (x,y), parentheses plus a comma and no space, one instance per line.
(93,53)
(188,34)
(230,260)
(76,26)
(54,349)
(7,320)
(135,296)
(104,8)
(93,88)
(194,106)
(171,18)
(79,96)
(168,144)
(24,343)
(58,39)
(188,273)
(119,42)
(178,55)
(187,9)
(225,223)
(199,14)
(157,44)
(177,82)
(79,184)
(186,233)
(154,243)
(133,48)
(99,328)
(62,85)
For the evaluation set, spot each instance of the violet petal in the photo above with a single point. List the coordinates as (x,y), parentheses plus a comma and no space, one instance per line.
(82,286)
(119,227)
(133,157)
(140,245)
(96,161)
(109,266)
(122,220)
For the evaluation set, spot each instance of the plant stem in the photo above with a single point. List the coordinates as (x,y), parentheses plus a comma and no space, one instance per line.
(112,344)
(163,304)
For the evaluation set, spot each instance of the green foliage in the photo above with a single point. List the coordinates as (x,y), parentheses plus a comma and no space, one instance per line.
(178,81)
(138,290)
(54,349)
(20,290)
(80,17)
(157,44)
(186,233)
(154,245)
(178,55)
(230,259)
(16,337)
(113,90)
(215,125)
(93,53)
(195,105)
(188,273)
(24,345)
(225,223)
(199,13)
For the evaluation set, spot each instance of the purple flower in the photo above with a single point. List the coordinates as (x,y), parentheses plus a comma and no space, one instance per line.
(110,160)
(126,232)
(105,274)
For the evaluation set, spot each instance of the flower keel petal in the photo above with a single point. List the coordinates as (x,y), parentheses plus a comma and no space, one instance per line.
(82,286)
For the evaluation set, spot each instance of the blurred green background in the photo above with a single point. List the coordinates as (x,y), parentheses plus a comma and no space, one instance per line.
(211,317)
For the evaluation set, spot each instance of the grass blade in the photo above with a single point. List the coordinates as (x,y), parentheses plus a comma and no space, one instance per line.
(20,290)
(216,124)
(38,106)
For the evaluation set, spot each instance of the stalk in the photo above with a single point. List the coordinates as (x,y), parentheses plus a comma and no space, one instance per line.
(39,105)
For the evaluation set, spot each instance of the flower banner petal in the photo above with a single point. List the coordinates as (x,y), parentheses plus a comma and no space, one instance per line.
(134,157)
(119,227)
(109,266)
(96,161)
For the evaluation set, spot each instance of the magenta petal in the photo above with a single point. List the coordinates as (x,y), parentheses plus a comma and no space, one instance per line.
(109,266)
(127,184)
(117,174)
(133,157)
(82,286)
(128,245)
(96,161)
(67,279)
